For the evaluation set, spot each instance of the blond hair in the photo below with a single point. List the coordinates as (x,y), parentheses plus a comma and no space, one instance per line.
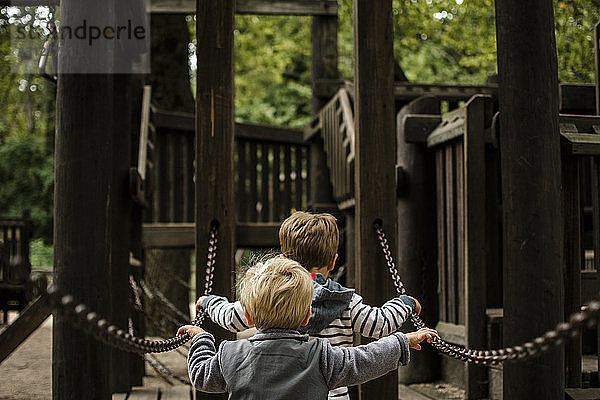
(277,293)
(310,239)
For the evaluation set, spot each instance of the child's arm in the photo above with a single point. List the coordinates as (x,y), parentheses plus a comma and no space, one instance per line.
(203,361)
(347,366)
(227,315)
(378,322)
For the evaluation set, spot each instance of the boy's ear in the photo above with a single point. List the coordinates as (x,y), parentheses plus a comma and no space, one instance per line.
(248,318)
(305,321)
(332,265)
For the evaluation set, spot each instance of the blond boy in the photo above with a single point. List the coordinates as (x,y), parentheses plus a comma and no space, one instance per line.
(279,362)
(337,312)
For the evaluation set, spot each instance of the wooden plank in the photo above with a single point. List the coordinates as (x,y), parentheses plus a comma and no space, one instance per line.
(474,244)
(441,232)
(261,235)
(257,7)
(450,227)
(572,232)
(375,161)
(298,178)
(176,393)
(242,186)
(409,91)
(215,194)
(178,178)
(119,396)
(417,235)
(582,144)
(452,127)
(287,191)
(144,394)
(265,133)
(577,98)
(419,126)
(264,183)
(460,232)
(324,68)
(143,142)
(252,199)
(28,321)
(530,184)
(161,235)
(277,214)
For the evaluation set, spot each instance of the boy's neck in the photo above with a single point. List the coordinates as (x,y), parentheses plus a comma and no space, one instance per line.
(323,271)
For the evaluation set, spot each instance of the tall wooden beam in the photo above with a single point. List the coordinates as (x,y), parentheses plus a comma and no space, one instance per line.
(417,232)
(214,143)
(531,190)
(82,222)
(324,65)
(375,178)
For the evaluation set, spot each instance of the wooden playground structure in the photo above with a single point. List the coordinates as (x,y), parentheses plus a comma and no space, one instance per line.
(489,196)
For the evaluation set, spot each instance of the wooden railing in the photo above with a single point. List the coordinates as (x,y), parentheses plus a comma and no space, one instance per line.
(335,125)
(15,234)
(271,163)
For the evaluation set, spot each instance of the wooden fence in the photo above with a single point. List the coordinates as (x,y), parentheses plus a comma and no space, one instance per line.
(271,163)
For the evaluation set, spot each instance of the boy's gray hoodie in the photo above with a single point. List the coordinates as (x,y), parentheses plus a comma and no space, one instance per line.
(285,364)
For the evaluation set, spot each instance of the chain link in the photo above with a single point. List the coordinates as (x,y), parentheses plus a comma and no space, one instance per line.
(92,323)
(563,331)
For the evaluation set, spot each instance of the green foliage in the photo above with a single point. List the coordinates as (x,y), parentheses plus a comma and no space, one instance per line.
(41,254)
(26,134)
(27,176)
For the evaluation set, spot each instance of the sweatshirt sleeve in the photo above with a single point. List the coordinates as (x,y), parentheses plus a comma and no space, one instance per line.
(347,366)
(228,315)
(204,366)
(376,322)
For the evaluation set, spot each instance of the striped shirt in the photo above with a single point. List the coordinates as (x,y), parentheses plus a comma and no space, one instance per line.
(373,322)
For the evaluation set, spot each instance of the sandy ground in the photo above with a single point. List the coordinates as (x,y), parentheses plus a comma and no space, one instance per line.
(27,373)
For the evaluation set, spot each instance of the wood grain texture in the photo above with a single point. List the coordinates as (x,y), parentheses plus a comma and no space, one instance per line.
(375,177)
(530,161)
(215,202)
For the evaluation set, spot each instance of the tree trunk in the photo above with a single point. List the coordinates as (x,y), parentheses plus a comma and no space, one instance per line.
(171,90)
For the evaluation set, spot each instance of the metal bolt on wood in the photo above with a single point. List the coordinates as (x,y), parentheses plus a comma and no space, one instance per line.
(533,348)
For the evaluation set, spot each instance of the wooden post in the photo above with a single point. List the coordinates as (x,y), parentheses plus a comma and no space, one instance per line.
(531,190)
(214,145)
(572,214)
(417,235)
(324,65)
(82,225)
(375,177)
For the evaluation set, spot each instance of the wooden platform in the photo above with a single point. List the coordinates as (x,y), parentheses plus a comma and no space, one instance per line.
(167,393)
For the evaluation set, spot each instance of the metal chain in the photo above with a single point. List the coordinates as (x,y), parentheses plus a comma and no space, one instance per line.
(533,348)
(102,329)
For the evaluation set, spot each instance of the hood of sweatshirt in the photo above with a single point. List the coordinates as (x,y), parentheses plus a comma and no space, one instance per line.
(330,299)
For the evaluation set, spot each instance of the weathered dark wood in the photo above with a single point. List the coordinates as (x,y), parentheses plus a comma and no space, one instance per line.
(264,7)
(324,67)
(418,126)
(215,202)
(577,99)
(287,191)
(248,234)
(409,91)
(264,183)
(375,161)
(530,159)
(252,192)
(417,252)
(450,233)
(277,214)
(266,133)
(572,232)
(260,235)
(441,238)
(28,321)
(242,170)
(474,243)
(460,232)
